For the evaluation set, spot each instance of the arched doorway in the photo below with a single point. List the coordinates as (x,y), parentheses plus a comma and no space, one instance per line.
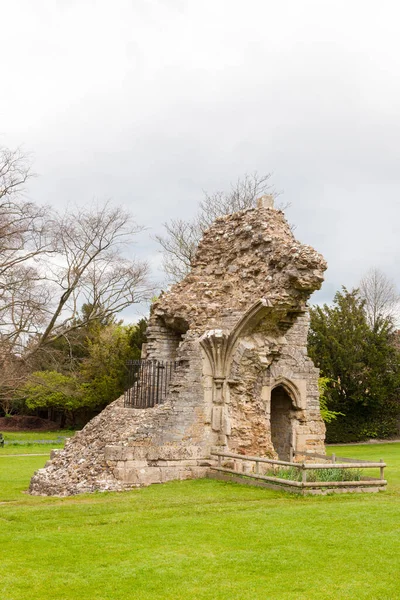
(281,422)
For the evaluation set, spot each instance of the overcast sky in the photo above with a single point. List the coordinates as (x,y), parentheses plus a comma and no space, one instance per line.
(150,102)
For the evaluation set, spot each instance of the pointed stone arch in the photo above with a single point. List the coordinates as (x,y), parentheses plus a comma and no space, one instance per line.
(220,345)
(291,389)
(282,422)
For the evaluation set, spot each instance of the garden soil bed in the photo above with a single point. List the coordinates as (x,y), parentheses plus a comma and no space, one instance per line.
(26,423)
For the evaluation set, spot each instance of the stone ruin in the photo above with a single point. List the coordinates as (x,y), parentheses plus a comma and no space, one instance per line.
(236,328)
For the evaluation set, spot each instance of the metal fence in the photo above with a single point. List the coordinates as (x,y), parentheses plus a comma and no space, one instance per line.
(148,382)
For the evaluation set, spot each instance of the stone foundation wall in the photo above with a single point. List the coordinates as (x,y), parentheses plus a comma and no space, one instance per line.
(162,341)
(123,448)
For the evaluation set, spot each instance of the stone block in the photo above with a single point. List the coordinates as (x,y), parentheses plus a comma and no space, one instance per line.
(171,473)
(135,464)
(113,453)
(216,418)
(144,476)
(226,422)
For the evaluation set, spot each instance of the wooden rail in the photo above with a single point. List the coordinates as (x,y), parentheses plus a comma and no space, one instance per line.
(332,458)
(304,467)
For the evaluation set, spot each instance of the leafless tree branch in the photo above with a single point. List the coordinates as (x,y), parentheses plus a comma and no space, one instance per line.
(51,264)
(381,298)
(182,237)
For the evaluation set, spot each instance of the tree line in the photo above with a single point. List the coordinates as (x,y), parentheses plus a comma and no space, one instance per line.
(64,276)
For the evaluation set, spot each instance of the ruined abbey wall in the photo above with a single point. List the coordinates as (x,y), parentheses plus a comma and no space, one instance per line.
(238,326)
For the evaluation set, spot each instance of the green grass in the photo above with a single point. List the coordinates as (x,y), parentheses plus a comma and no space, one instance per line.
(28,449)
(31,436)
(13,441)
(200,540)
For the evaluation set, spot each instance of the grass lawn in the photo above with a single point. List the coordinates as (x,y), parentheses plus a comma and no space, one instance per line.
(31,436)
(28,438)
(199,540)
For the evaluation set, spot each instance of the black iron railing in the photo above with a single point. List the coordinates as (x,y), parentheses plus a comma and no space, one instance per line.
(148,382)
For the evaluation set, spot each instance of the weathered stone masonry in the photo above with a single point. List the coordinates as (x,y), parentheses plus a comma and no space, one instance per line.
(238,325)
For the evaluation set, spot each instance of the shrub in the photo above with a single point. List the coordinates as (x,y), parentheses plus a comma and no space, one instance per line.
(314,475)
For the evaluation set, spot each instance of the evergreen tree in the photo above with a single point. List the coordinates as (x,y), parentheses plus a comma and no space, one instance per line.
(361,365)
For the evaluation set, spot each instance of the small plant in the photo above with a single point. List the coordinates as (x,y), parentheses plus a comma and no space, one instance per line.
(290,473)
(334,474)
(315,475)
(327,415)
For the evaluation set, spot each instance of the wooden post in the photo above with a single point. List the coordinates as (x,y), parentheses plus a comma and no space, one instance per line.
(257,467)
(303,473)
(291,454)
(333,458)
(382,470)
(220,461)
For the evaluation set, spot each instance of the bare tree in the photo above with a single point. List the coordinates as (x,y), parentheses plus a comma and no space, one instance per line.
(381,298)
(182,237)
(243,194)
(41,302)
(51,264)
(179,247)
(13,372)
(24,238)
(15,170)
(23,231)
(89,269)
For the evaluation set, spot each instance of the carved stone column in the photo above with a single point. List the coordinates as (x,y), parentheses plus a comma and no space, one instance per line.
(215,344)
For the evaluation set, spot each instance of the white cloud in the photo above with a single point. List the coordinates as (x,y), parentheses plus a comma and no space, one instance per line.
(149,102)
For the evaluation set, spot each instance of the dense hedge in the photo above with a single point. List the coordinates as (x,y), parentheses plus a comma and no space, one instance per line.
(354,428)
